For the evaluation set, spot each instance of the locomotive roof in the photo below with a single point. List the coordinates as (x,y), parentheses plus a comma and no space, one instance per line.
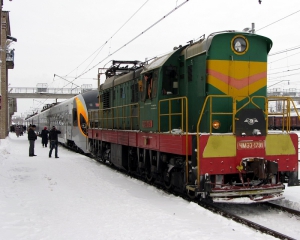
(157,62)
(119,79)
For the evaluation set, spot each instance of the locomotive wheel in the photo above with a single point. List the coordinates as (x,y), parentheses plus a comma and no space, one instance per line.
(149,177)
(191,194)
(168,184)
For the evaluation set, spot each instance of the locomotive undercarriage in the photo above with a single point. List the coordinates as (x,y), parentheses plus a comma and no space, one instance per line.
(153,166)
(257,181)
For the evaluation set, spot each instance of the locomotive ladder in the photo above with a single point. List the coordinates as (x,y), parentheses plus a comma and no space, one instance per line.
(184,118)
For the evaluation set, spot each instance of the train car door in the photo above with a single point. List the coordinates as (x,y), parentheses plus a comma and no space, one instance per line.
(70,123)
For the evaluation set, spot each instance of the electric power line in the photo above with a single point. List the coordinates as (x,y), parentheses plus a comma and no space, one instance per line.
(284,76)
(283,51)
(284,58)
(101,47)
(283,67)
(173,10)
(290,70)
(278,20)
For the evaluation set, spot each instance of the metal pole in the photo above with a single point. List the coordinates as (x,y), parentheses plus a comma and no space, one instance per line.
(253,28)
(1,4)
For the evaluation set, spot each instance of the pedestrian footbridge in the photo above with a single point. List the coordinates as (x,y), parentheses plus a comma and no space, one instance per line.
(49,93)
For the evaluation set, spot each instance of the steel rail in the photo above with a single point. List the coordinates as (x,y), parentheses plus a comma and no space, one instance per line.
(213,208)
(282,208)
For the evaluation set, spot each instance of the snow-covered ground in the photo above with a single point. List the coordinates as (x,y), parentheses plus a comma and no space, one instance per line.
(74,197)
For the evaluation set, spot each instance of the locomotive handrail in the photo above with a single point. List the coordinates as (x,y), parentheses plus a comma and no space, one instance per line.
(170,114)
(285,114)
(169,100)
(210,116)
(233,113)
(103,115)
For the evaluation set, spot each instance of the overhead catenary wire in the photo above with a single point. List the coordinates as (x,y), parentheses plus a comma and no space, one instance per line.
(173,10)
(101,47)
(283,67)
(289,70)
(98,50)
(283,76)
(284,51)
(277,21)
(284,57)
(147,29)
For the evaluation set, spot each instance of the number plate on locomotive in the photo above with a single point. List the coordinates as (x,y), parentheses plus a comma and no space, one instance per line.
(250,145)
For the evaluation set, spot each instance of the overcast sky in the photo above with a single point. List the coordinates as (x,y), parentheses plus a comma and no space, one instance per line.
(55,37)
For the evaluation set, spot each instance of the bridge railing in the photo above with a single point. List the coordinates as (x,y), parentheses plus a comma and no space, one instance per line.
(48,90)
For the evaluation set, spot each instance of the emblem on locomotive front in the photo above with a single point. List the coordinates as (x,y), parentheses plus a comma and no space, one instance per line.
(251,121)
(239,44)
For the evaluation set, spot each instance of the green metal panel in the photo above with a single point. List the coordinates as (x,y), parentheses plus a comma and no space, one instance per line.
(195,81)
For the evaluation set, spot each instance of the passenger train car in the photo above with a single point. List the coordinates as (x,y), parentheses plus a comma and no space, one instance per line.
(196,120)
(70,117)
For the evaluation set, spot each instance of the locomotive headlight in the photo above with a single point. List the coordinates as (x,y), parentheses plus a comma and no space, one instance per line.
(216,124)
(239,44)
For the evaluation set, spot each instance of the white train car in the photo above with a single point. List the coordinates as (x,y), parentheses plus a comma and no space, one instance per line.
(70,117)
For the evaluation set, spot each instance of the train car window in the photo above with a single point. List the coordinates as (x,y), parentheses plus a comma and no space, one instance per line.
(83,124)
(75,121)
(114,94)
(170,80)
(190,73)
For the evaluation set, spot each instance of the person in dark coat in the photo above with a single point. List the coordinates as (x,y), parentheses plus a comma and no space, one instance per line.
(31,137)
(44,135)
(18,131)
(53,138)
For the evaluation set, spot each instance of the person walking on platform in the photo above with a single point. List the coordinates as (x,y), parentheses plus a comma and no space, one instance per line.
(53,138)
(18,131)
(31,137)
(44,135)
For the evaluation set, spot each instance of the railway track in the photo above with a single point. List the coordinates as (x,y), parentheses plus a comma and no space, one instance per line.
(218,210)
(282,208)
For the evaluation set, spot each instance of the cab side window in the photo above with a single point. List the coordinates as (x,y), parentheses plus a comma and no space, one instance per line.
(147,85)
(148,82)
(170,81)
